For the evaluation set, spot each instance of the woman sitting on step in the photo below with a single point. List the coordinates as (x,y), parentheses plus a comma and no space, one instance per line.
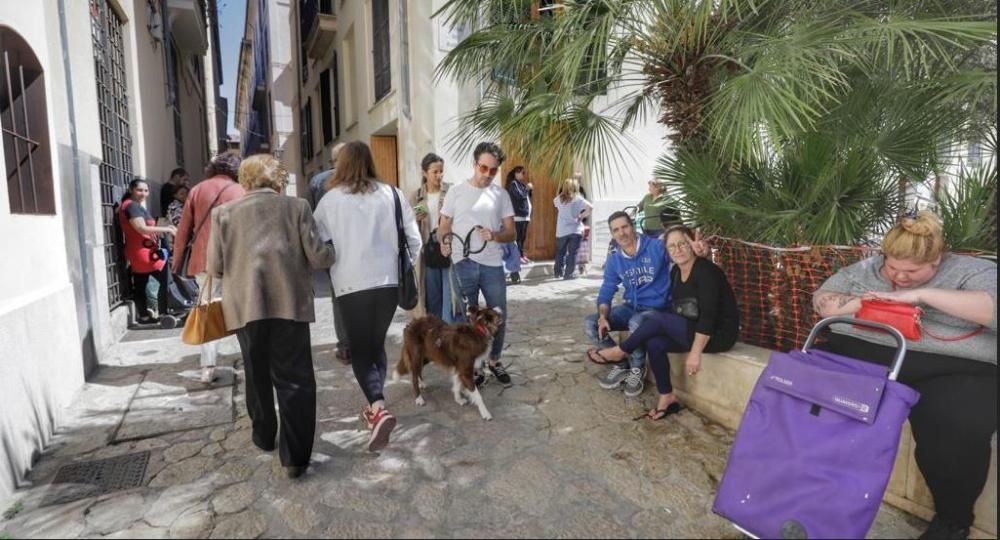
(704,318)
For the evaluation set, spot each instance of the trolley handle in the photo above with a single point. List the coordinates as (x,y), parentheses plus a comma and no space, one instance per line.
(897,363)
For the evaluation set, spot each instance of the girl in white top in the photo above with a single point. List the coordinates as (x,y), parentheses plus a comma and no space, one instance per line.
(572,209)
(358,215)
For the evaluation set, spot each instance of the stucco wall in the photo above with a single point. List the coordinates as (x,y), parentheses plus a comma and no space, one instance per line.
(41,362)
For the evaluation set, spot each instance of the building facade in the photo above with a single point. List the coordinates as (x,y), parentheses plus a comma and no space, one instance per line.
(101,91)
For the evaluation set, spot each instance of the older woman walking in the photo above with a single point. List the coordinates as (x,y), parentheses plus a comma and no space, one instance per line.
(265,246)
(358,215)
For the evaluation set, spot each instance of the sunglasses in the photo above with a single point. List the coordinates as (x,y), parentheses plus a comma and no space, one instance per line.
(483,169)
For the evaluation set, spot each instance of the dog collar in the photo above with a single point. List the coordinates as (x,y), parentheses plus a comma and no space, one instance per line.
(482,329)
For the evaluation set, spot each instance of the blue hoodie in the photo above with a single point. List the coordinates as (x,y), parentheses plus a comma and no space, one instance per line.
(646,276)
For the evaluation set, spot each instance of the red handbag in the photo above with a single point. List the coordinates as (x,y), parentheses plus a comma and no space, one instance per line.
(903,317)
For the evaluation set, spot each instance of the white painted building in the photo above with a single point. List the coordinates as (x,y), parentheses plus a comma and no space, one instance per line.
(101,102)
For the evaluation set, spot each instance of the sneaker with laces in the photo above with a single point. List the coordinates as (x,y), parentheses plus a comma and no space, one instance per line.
(612,379)
(500,373)
(381,424)
(633,382)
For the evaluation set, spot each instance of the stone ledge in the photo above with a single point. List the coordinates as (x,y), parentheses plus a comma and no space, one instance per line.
(722,389)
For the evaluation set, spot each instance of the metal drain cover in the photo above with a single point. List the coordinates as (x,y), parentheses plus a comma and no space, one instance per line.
(92,478)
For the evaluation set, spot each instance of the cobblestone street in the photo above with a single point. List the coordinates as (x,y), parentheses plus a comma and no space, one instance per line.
(562,457)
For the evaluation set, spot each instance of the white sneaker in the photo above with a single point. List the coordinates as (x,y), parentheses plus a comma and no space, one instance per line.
(208,374)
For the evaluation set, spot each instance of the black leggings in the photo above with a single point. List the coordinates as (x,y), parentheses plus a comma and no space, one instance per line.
(953,422)
(369,314)
(139,282)
(521,228)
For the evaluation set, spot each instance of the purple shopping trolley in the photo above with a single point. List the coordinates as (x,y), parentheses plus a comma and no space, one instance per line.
(817,443)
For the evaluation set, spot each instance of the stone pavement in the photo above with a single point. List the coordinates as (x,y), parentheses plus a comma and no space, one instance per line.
(562,458)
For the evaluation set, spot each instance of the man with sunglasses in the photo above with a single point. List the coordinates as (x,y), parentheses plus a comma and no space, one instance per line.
(479,202)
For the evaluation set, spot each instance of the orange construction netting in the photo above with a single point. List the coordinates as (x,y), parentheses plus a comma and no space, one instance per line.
(774,286)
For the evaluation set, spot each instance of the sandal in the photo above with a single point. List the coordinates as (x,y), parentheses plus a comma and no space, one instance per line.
(673,408)
(595,356)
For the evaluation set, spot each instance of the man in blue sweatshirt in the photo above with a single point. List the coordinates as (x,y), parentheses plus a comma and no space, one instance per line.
(642,266)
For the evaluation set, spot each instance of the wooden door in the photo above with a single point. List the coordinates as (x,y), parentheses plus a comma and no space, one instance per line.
(541,241)
(386,162)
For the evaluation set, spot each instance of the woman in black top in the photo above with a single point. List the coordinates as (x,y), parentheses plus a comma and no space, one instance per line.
(704,318)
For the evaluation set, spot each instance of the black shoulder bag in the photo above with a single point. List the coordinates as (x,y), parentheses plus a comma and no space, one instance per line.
(432,253)
(408,295)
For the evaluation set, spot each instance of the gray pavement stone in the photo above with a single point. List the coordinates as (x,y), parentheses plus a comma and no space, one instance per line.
(561,459)
(115,514)
(247,524)
(234,498)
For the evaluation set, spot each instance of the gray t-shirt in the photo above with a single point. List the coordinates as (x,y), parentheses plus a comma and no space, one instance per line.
(955,272)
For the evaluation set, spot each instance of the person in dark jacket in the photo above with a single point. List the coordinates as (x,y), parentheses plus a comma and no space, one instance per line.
(703,318)
(520,189)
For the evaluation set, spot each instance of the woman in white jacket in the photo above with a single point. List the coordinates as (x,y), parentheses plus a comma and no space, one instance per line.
(358,216)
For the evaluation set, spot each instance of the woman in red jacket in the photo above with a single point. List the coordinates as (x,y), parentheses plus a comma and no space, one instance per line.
(142,249)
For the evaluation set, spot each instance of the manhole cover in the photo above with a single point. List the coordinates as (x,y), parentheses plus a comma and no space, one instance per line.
(92,478)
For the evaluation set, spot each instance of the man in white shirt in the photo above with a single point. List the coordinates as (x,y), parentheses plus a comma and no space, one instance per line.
(480,203)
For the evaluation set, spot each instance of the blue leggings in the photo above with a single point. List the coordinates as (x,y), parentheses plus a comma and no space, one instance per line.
(660,333)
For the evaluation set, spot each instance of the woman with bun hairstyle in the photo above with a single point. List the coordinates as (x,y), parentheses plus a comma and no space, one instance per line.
(953,365)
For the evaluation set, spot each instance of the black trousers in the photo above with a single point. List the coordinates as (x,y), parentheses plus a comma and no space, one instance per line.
(953,422)
(139,282)
(521,227)
(277,358)
(371,314)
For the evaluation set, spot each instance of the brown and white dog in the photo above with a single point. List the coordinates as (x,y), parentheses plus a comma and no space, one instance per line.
(461,348)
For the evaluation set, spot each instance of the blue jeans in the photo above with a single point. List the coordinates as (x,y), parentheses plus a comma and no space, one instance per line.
(474,277)
(661,334)
(621,317)
(566,249)
(437,293)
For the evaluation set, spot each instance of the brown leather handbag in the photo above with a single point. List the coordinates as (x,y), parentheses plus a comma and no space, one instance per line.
(206,322)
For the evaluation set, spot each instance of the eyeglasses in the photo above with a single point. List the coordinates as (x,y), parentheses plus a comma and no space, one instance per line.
(483,169)
(678,246)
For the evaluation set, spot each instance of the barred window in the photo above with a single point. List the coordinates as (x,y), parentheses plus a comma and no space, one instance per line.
(24,127)
(380,48)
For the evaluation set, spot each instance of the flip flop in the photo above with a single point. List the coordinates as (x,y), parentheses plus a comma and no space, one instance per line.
(595,356)
(673,408)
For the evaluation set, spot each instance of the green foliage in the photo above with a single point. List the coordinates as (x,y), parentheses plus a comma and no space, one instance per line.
(813,193)
(969,210)
(792,120)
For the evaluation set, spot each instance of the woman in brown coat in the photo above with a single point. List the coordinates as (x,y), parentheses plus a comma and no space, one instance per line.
(266,247)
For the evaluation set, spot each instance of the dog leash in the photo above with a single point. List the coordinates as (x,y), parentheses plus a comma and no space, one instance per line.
(466,242)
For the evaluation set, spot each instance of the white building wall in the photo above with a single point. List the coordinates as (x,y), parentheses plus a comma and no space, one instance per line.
(284,90)
(41,361)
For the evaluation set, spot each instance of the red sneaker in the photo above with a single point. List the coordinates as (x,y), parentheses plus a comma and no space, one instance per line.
(381,423)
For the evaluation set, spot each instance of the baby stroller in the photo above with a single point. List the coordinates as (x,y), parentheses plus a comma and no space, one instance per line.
(817,443)
(182,294)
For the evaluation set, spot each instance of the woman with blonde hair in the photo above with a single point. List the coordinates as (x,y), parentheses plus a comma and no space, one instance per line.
(359,215)
(266,247)
(952,365)
(572,208)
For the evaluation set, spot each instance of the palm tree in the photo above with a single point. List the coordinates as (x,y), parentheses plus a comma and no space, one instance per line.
(778,110)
